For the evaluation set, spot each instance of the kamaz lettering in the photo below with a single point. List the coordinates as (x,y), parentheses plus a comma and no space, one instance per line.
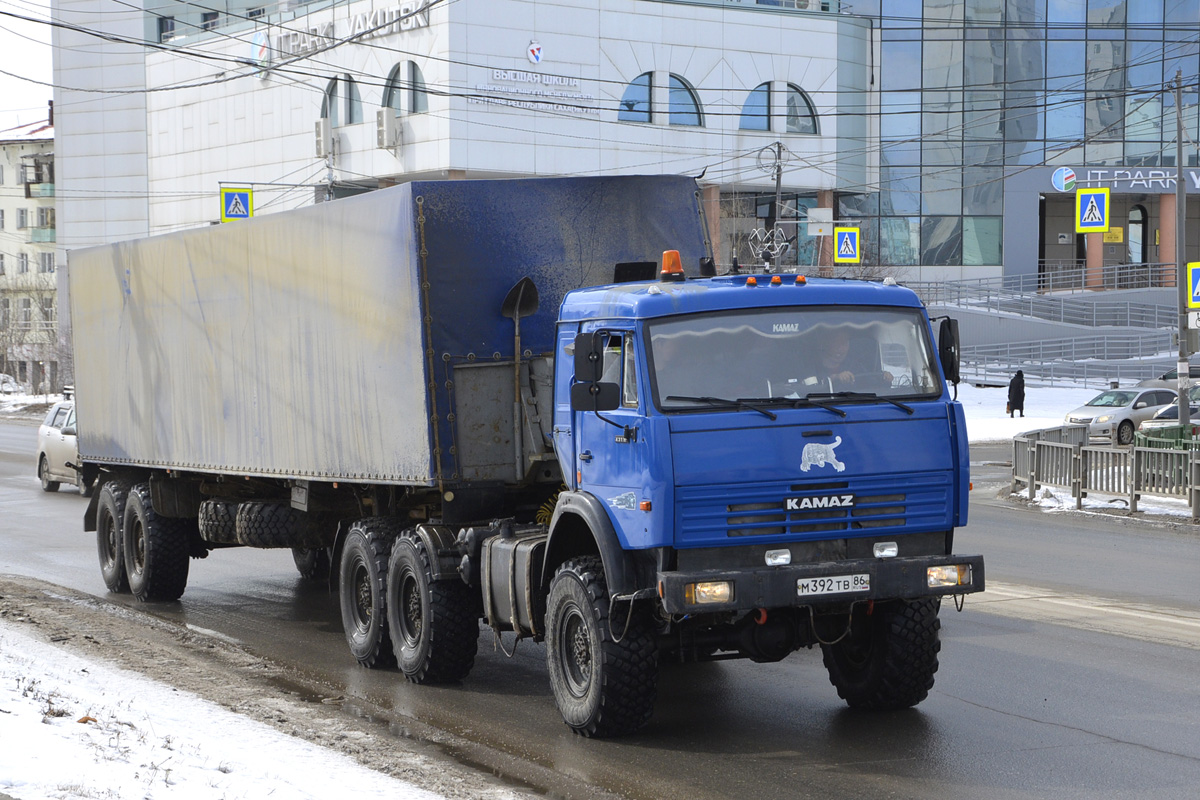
(827,501)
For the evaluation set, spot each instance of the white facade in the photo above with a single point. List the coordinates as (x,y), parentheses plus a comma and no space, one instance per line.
(491,110)
(28,313)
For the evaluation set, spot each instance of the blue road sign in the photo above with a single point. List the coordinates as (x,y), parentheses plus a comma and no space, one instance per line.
(1193,270)
(846,249)
(237,204)
(1091,210)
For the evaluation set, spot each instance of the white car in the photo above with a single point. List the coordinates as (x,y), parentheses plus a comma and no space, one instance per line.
(57,447)
(1115,414)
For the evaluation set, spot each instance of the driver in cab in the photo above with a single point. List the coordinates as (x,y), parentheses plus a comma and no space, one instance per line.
(834,374)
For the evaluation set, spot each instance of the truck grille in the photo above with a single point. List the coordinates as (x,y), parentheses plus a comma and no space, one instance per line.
(706,515)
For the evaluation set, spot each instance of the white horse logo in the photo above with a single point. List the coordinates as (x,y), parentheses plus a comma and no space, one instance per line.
(819,453)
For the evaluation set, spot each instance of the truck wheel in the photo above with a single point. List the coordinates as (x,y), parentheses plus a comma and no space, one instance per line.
(276,524)
(434,625)
(44,476)
(313,564)
(110,512)
(218,521)
(889,658)
(602,687)
(362,590)
(156,549)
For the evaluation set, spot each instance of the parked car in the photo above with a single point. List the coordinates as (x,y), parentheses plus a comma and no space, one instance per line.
(1168,416)
(9,385)
(1115,414)
(57,447)
(1169,379)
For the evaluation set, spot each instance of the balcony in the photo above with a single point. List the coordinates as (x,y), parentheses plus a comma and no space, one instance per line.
(44,234)
(35,190)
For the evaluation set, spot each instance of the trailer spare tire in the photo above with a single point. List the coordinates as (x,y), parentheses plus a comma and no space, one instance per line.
(273,523)
(218,521)
(156,549)
(110,512)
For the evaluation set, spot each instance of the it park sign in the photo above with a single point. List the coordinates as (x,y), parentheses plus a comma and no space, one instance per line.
(367,25)
(1124,180)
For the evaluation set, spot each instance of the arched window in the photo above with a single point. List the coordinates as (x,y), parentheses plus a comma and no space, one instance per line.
(341,104)
(1137,235)
(683,105)
(405,89)
(418,100)
(756,111)
(635,103)
(801,118)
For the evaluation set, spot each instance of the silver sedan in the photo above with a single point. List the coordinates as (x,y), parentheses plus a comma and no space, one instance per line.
(1115,414)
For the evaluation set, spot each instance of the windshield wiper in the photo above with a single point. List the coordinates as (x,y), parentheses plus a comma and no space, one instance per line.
(863,396)
(796,402)
(722,402)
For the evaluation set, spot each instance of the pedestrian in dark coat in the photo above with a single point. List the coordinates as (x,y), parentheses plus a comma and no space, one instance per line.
(1016,394)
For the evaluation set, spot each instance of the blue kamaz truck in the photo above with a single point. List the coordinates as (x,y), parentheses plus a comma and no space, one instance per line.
(531,408)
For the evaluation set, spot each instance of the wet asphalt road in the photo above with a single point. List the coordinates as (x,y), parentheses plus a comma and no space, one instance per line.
(1073,677)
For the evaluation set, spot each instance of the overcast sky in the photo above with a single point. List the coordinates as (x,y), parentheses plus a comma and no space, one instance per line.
(24,57)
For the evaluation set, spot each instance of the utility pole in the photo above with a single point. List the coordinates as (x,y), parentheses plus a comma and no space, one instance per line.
(778,205)
(1181,276)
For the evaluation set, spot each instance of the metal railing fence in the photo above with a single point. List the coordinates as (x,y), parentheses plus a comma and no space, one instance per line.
(1062,458)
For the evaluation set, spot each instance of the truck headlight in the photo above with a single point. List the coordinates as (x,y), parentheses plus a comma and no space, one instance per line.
(708,592)
(951,575)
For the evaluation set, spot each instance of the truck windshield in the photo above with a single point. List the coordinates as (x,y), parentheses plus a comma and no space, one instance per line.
(789,354)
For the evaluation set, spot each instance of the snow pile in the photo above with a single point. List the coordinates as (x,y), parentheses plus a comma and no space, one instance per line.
(73,728)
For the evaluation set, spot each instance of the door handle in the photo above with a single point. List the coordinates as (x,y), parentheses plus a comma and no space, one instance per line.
(586,455)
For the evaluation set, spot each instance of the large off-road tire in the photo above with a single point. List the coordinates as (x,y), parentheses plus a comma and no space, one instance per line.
(273,523)
(44,476)
(889,657)
(313,563)
(434,625)
(602,687)
(156,549)
(362,590)
(110,542)
(218,521)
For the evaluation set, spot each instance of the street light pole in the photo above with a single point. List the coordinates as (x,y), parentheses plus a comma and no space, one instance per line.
(1181,277)
(778,205)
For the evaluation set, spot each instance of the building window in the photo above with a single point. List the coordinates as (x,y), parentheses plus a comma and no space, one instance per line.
(418,99)
(393,90)
(255,13)
(48,309)
(801,118)
(22,218)
(1,263)
(341,104)
(166,29)
(683,104)
(756,111)
(46,262)
(22,263)
(635,103)
(1,174)
(45,217)
(1,219)
(5,312)
(208,20)
(26,318)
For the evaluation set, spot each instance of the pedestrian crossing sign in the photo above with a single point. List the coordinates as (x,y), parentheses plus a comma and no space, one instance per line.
(236,204)
(1091,211)
(846,246)
(1193,272)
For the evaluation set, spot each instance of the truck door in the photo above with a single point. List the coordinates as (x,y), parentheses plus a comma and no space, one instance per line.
(620,459)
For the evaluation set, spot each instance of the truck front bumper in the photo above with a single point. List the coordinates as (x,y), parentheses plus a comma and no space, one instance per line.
(825,583)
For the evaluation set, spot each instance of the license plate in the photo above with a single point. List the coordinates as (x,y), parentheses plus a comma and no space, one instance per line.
(833,584)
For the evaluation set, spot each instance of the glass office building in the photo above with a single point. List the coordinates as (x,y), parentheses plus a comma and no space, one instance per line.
(979,101)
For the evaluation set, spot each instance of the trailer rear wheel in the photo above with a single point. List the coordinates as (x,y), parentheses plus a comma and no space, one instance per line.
(156,549)
(312,564)
(889,657)
(603,687)
(362,590)
(110,512)
(434,624)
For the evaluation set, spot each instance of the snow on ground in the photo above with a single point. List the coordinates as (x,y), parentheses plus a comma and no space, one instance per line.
(75,728)
(78,728)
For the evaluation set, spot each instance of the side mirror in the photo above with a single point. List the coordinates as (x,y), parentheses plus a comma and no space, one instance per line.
(595,396)
(948,349)
(589,356)
(69,430)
